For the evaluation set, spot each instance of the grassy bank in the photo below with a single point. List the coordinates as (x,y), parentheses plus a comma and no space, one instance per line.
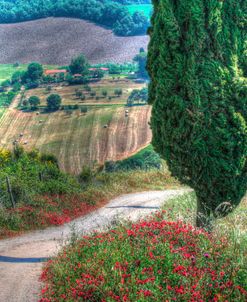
(45,196)
(153,260)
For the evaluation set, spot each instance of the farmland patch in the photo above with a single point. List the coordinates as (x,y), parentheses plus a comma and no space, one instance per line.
(57,40)
(78,139)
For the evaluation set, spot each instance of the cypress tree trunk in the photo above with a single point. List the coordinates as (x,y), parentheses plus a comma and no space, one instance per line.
(203,215)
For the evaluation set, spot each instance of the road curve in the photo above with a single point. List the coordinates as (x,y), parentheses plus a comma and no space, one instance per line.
(22,258)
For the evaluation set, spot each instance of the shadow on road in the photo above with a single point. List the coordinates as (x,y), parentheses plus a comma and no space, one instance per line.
(134,207)
(22,260)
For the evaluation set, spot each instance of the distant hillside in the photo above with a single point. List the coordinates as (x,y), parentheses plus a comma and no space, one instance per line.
(79,139)
(115,16)
(56,40)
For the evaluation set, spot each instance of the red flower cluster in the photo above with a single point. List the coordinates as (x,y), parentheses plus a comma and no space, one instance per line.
(153,260)
(49,210)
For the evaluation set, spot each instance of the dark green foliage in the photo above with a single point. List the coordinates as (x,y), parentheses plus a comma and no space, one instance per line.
(141,60)
(134,1)
(86,175)
(138,96)
(17,77)
(34,102)
(143,160)
(49,158)
(16,87)
(84,109)
(199,97)
(31,77)
(77,80)
(118,92)
(34,71)
(6,98)
(31,174)
(54,102)
(104,93)
(97,74)
(79,65)
(6,84)
(106,12)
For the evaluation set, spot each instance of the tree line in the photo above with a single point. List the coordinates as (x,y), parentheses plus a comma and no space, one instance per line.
(134,1)
(104,12)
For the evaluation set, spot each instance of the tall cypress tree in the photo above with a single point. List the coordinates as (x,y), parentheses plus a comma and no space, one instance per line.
(198,89)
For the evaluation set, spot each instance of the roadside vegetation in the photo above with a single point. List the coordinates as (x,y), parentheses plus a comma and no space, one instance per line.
(162,258)
(36,194)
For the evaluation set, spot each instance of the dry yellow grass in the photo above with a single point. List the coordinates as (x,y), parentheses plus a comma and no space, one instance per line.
(79,139)
(68,93)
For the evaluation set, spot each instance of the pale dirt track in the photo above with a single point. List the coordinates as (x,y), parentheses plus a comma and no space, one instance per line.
(19,275)
(57,40)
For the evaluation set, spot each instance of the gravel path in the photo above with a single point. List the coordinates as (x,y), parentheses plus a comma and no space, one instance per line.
(57,40)
(21,258)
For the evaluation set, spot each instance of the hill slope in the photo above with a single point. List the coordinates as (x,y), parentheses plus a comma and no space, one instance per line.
(79,139)
(57,40)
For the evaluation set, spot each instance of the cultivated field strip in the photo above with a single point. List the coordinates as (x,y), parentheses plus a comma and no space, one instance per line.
(79,139)
(57,40)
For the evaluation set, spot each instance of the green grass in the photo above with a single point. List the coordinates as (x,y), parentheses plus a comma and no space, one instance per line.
(145,8)
(152,260)
(2,110)
(235,224)
(58,198)
(7,70)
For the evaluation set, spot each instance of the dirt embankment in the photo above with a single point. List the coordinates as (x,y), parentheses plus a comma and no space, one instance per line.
(57,40)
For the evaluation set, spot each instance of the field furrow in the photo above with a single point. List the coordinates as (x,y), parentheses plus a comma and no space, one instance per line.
(78,139)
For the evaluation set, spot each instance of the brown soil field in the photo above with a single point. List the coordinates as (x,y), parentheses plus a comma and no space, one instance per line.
(57,40)
(79,139)
(68,93)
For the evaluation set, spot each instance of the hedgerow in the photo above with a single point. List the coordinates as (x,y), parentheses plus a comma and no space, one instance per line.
(44,196)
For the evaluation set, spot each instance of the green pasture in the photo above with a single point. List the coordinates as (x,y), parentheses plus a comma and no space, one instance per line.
(7,70)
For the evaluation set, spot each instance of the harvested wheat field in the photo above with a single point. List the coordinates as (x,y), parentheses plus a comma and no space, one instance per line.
(57,40)
(79,139)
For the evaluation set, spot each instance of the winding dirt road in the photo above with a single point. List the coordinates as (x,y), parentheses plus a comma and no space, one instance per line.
(22,258)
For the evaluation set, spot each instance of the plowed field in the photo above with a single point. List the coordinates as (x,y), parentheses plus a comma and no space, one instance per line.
(57,40)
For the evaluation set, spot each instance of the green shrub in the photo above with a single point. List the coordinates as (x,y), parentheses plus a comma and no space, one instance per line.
(146,159)
(86,175)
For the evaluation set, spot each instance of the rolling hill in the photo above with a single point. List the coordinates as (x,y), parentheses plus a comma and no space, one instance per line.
(79,139)
(57,40)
